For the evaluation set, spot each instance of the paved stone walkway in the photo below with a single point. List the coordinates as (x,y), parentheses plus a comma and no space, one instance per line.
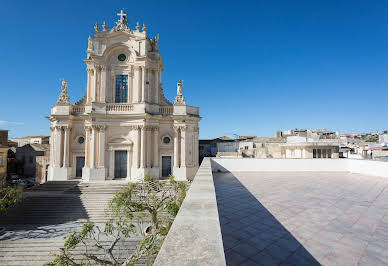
(303,218)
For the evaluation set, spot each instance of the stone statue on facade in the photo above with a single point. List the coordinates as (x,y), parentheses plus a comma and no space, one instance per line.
(155,43)
(90,44)
(64,96)
(180,99)
(179,88)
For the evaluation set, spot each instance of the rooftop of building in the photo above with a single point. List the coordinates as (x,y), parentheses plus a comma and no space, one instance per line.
(282,211)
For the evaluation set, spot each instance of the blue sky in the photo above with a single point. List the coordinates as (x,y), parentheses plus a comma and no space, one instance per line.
(252,67)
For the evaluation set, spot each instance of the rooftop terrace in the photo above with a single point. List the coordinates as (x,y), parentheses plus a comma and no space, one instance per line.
(273,211)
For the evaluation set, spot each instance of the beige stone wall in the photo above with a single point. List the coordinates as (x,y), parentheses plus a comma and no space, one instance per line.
(4,138)
(268,150)
(42,163)
(3,162)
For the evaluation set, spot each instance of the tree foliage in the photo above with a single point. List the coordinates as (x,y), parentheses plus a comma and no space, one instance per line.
(149,202)
(9,196)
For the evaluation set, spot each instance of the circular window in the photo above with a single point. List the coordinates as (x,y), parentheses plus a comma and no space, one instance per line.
(81,140)
(166,140)
(122,57)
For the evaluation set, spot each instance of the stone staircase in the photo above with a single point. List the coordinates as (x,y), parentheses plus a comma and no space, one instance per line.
(34,230)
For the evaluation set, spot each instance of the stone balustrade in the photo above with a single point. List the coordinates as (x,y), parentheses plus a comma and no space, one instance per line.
(78,109)
(193,110)
(119,107)
(166,110)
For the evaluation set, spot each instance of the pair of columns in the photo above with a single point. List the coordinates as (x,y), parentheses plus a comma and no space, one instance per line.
(95,146)
(141,92)
(60,146)
(96,84)
(148,146)
(180,142)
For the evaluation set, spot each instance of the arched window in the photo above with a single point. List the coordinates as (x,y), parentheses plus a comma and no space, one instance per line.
(121,89)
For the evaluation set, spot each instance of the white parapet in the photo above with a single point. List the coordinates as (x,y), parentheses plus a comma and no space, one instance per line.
(93,174)
(59,173)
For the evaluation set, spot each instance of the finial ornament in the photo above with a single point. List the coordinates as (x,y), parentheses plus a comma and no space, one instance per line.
(96,27)
(144,29)
(138,26)
(122,24)
(104,26)
(64,96)
(180,99)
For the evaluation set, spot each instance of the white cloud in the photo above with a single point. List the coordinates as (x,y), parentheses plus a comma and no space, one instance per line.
(9,123)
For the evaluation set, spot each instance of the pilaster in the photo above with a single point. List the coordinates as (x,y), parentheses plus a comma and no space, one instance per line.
(142,147)
(95,84)
(176,147)
(183,146)
(103,84)
(156,147)
(102,146)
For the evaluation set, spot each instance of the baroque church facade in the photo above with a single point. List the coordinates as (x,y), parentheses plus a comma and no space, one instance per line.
(123,127)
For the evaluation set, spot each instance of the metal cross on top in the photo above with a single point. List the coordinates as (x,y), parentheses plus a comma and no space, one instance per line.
(122,15)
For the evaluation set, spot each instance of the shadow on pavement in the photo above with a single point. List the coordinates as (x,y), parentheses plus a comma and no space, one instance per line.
(250,233)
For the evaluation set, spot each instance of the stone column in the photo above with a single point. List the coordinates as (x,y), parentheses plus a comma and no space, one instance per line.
(88,86)
(196,146)
(66,147)
(52,143)
(176,147)
(95,84)
(103,84)
(102,147)
(111,163)
(149,147)
(183,146)
(135,85)
(93,147)
(87,146)
(142,147)
(156,90)
(156,147)
(138,147)
(58,146)
(143,84)
(129,163)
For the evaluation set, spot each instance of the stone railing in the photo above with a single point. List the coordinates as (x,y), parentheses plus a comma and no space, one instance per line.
(193,110)
(119,107)
(195,236)
(166,110)
(78,109)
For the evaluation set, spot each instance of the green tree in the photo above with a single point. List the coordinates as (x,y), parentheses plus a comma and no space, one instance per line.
(9,196)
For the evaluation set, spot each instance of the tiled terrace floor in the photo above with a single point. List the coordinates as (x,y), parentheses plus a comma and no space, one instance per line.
(303,218)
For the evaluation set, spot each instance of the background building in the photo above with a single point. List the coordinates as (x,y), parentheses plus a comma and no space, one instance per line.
(26,158)
(31,140)
(3,153)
